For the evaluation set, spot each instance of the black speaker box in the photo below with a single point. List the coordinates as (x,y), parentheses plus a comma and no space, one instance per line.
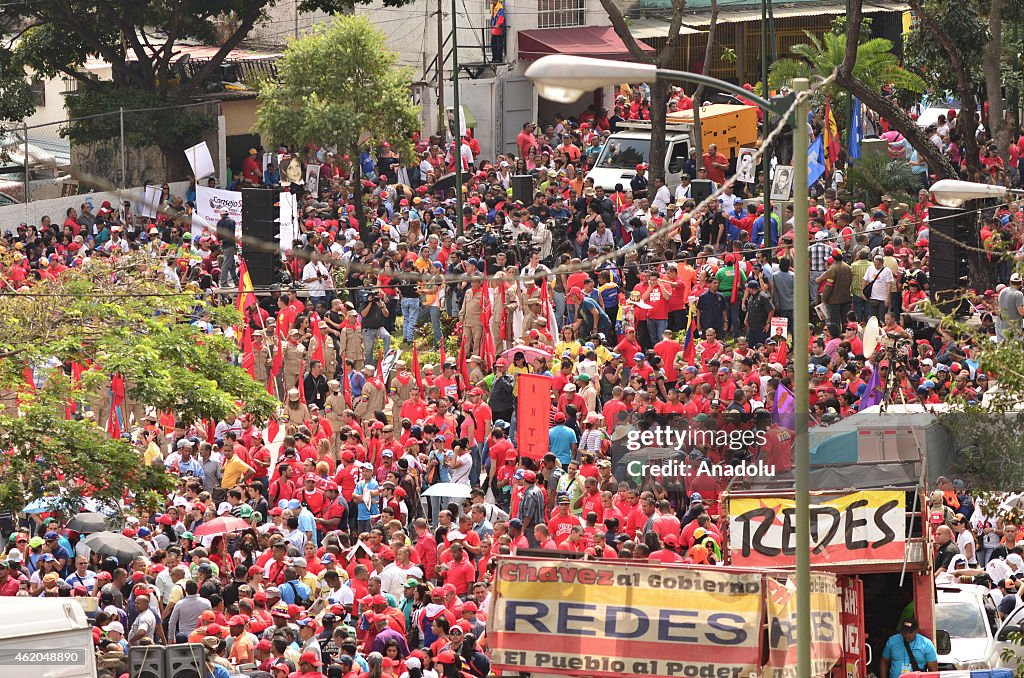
(261,232)
(700,189)
(185,661)
(146,661)
(522,188)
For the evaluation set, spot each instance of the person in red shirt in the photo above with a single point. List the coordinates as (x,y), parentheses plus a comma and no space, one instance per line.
(561,524)
(667,524)
(590,501)
(314,499)
(667,348)
(716,164)
(667,553)
(460,573)
(543,536)
(426,548)
(574,541)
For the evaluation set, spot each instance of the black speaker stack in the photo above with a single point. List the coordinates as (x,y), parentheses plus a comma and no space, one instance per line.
(261,231)
(700,189)
(173,661)
(522,188)
(951,232)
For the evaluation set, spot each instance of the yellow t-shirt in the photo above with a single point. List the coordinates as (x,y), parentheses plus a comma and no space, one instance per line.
(234,469)
(152,452)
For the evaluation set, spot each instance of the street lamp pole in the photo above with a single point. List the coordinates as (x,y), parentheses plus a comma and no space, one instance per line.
(457,107)
(801,323)
(566,79)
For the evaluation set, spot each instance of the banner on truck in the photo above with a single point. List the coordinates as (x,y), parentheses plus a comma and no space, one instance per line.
(210,202)
(826,649)
(611,619)
(852,528)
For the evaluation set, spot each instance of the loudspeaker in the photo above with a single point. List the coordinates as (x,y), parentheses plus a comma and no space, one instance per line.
(522,188)
(700,189)
(146,661)
(951,231)
(185,661)
(261,232)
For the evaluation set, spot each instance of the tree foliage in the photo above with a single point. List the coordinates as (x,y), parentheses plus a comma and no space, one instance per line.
(115,318)
(338,87)
(875,175)
(876,65)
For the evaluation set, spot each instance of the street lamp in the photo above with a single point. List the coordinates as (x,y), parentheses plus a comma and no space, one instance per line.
(953,192)
(565,79)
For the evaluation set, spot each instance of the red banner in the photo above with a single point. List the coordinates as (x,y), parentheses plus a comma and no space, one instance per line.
(533,415)
(851,620)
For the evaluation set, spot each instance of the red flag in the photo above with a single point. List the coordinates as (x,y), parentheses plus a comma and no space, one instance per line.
(302,385)
(114,424)
(318,352)
(416,368)
(278,361)
(503,318)
(211,429)
(346,386)
(29,378)
(735,280)
(272,430)
(114,427)
(166,421)
(380,368)
(443,357)
(463,365)
(487,350)
(782,352)
(248,356)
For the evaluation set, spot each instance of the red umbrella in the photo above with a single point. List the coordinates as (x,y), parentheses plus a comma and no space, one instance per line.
(221,525)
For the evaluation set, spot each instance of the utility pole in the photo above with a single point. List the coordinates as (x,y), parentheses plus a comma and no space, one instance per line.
(801,458)
(457,134)
(766,160)
(442,113)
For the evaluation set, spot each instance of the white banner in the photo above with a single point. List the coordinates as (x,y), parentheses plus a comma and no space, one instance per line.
(150,202)
(210,202)
(745,166)
(289,219)
(200,159)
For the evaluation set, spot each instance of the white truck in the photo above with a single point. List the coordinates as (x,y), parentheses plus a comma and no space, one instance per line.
(730,127)
(45,638)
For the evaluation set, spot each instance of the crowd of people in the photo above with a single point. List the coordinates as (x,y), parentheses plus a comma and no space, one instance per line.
(345,563)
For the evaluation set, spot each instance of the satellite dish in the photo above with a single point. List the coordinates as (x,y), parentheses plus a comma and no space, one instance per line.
(871,334)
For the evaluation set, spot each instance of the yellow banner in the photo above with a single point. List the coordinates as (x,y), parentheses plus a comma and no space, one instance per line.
(851,528)
(826,627)
(609,619)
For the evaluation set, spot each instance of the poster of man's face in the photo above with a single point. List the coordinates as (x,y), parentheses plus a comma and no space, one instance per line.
(782,185)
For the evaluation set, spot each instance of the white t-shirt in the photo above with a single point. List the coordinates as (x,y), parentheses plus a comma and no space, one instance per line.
(998,570)
(462,473)
(880,290)
(963,540)
(316,287)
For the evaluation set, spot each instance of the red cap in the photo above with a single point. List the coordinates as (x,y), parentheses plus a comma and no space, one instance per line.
(530,476)
(238,620)
(214,630)
(264,645)
(294,611)
(378,599)
(470,606)
(445,657)
(310,658)
(500,362)
(310,476)
(255,570)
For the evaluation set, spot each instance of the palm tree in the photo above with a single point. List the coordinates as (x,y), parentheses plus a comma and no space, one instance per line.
(876,65)
(874,70)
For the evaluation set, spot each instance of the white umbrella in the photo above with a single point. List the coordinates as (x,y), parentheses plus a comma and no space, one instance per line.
(453,490)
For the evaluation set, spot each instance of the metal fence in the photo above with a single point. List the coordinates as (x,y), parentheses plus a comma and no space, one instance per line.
(42,161)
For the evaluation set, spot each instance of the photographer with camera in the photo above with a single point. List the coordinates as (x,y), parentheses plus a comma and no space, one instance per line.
(374,313)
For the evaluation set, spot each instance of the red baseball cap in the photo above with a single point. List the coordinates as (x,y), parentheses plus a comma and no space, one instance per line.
(310,658)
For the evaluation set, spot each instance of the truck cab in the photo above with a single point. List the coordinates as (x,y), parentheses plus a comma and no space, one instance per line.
(728,126)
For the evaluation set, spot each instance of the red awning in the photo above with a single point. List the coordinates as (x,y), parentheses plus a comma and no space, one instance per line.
(599,42)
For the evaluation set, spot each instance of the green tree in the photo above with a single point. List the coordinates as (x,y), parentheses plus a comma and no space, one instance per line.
(117,318)
(140,39)
(856,76)
(339,88)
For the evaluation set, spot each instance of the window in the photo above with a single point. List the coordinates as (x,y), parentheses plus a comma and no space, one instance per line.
(560,13)
(39,91)
(624,153)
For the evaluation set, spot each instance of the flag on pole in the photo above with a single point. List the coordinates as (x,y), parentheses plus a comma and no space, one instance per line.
(318,335)
(874,391)
(246,292)
(831,137)
(273,428)
(416,368)
(815,161)
(689,346)
(248,356)
(116,423)
(302,383)
(785,407)
(856,132)
(346,386)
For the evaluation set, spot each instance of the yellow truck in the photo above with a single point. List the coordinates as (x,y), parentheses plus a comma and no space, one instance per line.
(728,126)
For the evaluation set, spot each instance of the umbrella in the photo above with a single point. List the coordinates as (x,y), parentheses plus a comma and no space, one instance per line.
(87,522)
(115,545)
(221,525)
(531,353)
(59,502)
(445,182)
(453,490)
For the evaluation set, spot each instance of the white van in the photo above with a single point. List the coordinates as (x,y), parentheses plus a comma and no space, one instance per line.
(45,638)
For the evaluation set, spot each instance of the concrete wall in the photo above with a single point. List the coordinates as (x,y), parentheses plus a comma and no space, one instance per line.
(282,24)
(56,208)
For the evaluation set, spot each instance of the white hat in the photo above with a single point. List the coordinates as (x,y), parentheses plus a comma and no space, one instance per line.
(1015,278)
(821,235)
(114,626)
(570,388)
(223,508)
